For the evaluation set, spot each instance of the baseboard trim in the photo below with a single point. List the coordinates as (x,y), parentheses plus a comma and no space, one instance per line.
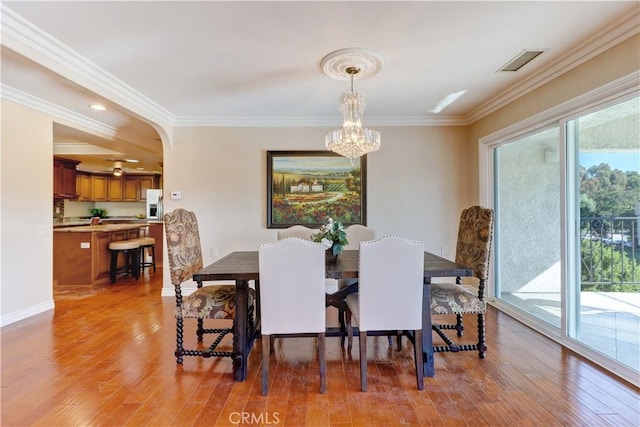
(25,313)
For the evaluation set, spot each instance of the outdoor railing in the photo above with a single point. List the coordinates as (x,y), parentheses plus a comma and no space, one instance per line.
(610,255)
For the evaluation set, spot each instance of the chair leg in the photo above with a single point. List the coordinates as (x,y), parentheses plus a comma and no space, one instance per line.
(200,330)
(323,362)
(459,325)
(272,341)
(342,315)
(266,341)
(135,264)
(153,257)
(482,345)
(179,335)
(347,316)
(114,266)
(363,360)
(417,350)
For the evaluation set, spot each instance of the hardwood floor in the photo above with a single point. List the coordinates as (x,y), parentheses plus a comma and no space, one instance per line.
(105,358)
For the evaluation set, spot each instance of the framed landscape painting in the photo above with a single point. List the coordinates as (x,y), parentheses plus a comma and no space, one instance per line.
(306,187)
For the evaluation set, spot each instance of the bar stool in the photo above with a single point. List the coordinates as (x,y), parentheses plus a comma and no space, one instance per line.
(131,251)
(147,243)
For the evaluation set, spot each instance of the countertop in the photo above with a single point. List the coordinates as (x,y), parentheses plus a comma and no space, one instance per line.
(73,222)
(96,228)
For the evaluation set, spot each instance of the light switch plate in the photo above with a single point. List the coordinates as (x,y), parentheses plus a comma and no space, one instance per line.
(85,245)
(176,195)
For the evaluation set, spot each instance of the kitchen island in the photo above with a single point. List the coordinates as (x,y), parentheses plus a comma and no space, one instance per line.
(81,253)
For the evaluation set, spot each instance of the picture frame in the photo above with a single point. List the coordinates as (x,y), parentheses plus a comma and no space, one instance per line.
(306,187)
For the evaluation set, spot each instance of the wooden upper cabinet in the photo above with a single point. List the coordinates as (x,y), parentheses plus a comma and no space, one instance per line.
(98,188)
(131,187)
(108,188)
(114,189)
(64,178)
(147,182)
(83,186)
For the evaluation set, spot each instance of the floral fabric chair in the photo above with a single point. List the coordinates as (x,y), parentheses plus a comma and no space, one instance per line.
(473,251)
(207,302)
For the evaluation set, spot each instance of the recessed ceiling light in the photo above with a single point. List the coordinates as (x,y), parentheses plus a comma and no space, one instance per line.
(98,107)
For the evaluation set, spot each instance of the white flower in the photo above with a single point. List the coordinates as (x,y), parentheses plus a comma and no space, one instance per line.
(326,243)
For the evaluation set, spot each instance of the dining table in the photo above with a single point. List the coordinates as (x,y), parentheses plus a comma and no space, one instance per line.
(242,267)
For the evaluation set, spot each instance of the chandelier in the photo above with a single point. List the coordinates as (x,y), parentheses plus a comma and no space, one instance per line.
(352,140)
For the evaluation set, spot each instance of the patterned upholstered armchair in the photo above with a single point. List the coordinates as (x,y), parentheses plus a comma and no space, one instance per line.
(207,302)
(473,250)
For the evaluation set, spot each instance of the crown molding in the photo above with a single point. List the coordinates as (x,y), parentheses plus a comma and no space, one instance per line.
(23,37)
(71,118)
(596,44)
(330,122)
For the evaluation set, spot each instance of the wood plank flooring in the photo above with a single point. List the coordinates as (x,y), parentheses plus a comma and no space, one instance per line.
(105,358)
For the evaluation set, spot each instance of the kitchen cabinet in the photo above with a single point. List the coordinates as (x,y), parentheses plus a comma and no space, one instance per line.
(156,230)
(64,178)
(98,188)
(108,188)
(131,187)
(83,186)
(147,182)
(114,189)
(81,254)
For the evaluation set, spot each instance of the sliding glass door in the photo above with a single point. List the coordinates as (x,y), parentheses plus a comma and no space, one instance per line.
(528,224)
(567,231)
(606,144)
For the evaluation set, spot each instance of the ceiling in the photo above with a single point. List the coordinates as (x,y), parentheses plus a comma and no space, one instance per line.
(157,65)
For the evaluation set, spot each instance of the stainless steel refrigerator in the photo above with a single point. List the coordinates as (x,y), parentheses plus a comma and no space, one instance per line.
(154,205)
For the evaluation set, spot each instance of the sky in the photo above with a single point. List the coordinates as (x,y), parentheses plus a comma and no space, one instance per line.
(629,161)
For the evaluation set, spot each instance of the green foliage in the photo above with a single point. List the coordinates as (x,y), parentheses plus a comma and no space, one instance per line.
(602,263)
(608,192)
(333,235)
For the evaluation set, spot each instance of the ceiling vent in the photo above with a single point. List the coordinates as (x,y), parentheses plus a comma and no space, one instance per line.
(522,59)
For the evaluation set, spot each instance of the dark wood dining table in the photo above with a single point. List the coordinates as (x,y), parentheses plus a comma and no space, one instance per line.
(242,267)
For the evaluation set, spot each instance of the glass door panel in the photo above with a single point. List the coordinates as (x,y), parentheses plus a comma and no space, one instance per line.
(528,224)
(607,310)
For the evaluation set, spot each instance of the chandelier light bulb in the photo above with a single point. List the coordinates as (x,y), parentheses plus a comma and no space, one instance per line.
(352,140)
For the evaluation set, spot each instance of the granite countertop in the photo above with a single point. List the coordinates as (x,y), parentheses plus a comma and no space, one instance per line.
(96,228)
(80,221)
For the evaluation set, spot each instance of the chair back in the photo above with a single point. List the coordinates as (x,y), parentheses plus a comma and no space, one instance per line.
(357,233)
(292,297)
(475,235)
(299,231)
(183,245)
(391,282)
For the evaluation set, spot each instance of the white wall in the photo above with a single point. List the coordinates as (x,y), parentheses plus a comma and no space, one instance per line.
(26,239)
(417,183)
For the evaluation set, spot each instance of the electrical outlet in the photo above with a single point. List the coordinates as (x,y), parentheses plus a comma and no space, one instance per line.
(444,251)
(85,245)
(214,252)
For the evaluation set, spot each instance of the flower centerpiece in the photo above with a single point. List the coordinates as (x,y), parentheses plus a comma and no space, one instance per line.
(333,236)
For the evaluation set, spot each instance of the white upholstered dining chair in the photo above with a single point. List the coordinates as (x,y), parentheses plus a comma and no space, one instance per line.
(390,295)
(292,269)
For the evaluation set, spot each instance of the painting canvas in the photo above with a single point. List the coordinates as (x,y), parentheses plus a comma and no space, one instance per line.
(306,187)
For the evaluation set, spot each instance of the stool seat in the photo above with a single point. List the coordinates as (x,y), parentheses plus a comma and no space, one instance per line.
(131,250)
(124,245)
(147,243)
